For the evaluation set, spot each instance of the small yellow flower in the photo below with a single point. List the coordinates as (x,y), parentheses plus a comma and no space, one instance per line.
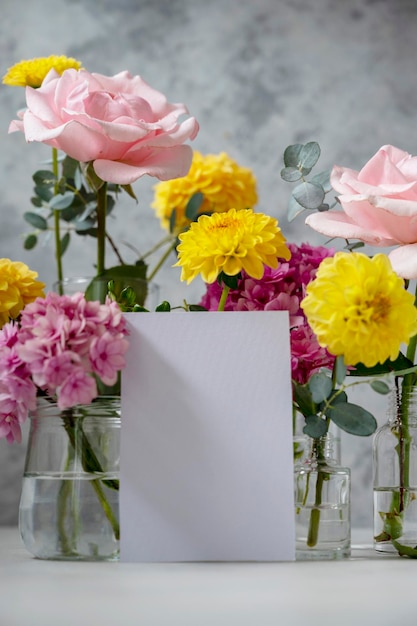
(358,307)
(230,242)
(31,72)
(223,182)
(18,287)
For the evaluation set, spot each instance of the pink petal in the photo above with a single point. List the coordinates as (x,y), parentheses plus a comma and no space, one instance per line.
(404,260)
(338,224)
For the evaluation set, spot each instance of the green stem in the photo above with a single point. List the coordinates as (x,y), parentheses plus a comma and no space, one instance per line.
(101,228)
(223,298)
(314,522)
(162,260)
(114,522)
(58,248)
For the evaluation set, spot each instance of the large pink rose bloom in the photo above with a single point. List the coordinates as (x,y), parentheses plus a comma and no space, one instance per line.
(379,207)
(120,123)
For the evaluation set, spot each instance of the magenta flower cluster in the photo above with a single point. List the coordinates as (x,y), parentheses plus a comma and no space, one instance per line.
(283,289)
(59,346)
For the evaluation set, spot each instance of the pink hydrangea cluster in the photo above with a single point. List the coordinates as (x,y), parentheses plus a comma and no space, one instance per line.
(282,289)
(60,345)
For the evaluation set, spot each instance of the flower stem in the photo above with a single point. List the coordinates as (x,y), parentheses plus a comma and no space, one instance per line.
(314,522)
(162,260)
(101,228)
(223,298)
(58,249)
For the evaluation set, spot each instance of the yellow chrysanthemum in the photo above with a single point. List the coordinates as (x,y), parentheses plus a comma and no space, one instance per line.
(223,182)
(31,72)
(358,307)
(18,287)
(230,242)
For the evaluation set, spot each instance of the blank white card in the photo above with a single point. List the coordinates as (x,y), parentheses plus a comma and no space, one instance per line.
(206,443)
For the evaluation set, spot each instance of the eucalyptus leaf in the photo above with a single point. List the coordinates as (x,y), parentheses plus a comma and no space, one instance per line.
(65,243)
(353,419)
(340,370)
(36,220)
(291,155)
(294,208)
(37,202)
(315,426)
(309,195)
(304,399)
(323,207)
(309,154)
(30,242)
(44,177)
(380,387)
(193,206)
(290,174)
(44,192)
(320,386)
(61,201)
(83,227)
(322,179)
(354,245)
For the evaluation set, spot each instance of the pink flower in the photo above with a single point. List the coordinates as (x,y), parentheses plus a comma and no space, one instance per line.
(120,123)
(78,388)
(106,353)
(307,357)
(379,207)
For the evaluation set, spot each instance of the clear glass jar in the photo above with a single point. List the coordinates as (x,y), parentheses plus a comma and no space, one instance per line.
(322,503)
(69,506)
(395,476)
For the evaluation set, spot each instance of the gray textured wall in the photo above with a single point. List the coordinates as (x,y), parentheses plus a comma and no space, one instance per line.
(258,76)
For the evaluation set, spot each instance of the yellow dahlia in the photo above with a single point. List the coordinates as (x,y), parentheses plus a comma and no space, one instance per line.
(31,72)
(221,180)
(18,287)
(358,307)
(230,242)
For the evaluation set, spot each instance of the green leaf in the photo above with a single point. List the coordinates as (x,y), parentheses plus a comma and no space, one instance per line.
(61,201)
(399,364)
(291,155)
(230,281)
(196,307)
(193,206)
(37,202)
(290,174)
(323,207)
(315,426)
(36,220)
(354,246)
(380,387)
(164,307)
(172,220)
(70,168)
(43,192)
(320,386)
(304,399)
(65,243)
(44,177)
(309,154)
(129,190)
(294,208)
(322,179)
(309,195)
(340,370)
(337,398)
(30,242)
(353,419)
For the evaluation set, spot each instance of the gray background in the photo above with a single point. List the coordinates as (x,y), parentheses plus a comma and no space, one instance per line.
(258,76)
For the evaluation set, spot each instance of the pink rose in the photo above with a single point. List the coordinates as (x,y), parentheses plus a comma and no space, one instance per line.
(379,207)
(120,123)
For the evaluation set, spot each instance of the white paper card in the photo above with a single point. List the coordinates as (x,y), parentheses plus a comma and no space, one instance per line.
(206,444)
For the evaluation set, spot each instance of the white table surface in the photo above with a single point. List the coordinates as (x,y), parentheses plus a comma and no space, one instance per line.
(366,589)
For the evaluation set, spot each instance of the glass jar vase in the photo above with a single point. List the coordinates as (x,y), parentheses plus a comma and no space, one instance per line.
(395,476)
(322,503)
(69,506)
